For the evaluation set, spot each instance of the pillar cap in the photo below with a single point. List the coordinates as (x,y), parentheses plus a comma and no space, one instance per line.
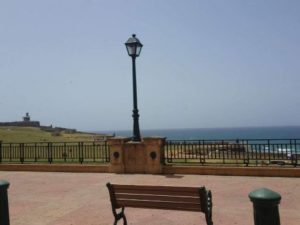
(154,137)
(264,194)
(118,140)
(3,184)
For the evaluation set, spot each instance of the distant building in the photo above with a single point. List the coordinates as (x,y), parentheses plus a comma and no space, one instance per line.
(25,123)
(28,123)
(26,118)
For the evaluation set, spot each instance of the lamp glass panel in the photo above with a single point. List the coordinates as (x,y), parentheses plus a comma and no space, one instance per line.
(138,50)
(131,49)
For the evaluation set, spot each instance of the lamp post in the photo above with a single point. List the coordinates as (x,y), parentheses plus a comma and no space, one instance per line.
(134,47)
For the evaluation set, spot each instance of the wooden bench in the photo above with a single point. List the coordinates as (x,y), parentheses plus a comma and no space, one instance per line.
(159,197)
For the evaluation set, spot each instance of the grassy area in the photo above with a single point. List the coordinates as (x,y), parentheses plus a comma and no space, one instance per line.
(34,134)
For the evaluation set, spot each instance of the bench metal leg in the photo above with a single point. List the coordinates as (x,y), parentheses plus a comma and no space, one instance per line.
(125,220)
(208,214)
(120,215)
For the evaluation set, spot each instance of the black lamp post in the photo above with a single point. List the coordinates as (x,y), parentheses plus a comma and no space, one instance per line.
(134,47)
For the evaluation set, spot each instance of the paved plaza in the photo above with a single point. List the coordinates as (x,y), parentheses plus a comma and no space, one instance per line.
(38,198)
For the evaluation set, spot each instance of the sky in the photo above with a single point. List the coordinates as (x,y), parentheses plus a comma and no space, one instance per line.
(204,64)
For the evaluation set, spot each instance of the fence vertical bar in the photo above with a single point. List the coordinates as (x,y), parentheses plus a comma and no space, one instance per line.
(93,152)
(205,152)
(80,152)
(21,152)
(0,151)
(10,152)
(83,147)
(107,152)
(294,156)
(291,153)
(4,211)
(171,149)
(184,151)
(49,152)
(65,154)
(269,151)
(198,151)
(222,150)
(35,153)
(296,159)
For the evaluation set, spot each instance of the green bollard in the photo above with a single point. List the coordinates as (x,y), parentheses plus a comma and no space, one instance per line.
(4,213)
(265,206)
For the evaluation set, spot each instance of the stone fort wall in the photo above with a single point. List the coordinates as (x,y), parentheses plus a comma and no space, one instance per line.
(21,124)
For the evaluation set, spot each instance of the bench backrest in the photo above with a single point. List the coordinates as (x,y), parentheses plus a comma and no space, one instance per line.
(159,197)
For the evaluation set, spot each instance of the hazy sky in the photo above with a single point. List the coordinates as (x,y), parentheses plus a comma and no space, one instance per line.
(203,64)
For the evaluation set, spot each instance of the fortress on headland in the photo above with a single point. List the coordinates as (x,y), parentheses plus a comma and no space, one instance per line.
(25,123)
(28,123)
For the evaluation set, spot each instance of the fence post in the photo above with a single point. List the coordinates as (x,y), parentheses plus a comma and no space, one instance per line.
(0,151)
(80,152)
(293,156)
(107,152)
(35,153)
(265,206)
(50,158)
(22,152)
(4,213)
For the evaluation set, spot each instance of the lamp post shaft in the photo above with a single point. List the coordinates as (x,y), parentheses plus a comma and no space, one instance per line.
(135,115)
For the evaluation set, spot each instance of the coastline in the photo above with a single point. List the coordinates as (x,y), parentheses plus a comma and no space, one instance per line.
(233,133)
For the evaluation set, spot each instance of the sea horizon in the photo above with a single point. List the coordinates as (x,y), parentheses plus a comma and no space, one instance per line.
(222,133)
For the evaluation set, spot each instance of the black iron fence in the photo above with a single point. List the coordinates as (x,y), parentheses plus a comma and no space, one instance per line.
(250,152)
(55,152)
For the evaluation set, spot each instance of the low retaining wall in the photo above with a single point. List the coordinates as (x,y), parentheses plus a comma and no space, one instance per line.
(233,171)
(76,168)
(172,169)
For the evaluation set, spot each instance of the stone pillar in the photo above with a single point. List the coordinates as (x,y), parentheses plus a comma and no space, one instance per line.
(116,146)
(136,157)
(154,154)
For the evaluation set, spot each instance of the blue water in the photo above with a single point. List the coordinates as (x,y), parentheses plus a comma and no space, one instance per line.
(287,132)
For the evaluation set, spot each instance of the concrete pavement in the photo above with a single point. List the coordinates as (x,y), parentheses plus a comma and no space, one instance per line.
(39,198)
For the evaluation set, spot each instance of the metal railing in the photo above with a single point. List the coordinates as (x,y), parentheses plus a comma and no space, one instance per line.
(249,152)
(54,152)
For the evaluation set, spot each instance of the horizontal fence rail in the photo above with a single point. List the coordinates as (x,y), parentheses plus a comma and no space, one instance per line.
(55,152)
(250,152)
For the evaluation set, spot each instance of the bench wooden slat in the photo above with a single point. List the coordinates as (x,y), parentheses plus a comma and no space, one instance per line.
(179,199)
(157,190)
(159,205)
(166,188)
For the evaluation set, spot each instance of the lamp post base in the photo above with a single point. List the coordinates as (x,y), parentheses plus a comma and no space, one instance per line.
(136,128)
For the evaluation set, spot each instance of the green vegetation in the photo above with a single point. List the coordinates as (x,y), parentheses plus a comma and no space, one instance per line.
(33,134)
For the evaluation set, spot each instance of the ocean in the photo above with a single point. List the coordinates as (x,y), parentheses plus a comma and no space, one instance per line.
(283,132)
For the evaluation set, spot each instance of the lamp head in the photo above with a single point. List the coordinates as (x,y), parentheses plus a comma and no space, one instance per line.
(133,46)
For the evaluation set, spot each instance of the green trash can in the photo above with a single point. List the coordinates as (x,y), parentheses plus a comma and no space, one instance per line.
(265,206)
